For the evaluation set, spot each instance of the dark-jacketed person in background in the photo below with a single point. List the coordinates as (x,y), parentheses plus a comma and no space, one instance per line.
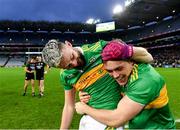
(29,75)
(41,69)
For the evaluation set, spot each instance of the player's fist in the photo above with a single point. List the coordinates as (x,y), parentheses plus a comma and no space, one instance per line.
(80,107)
(32,71)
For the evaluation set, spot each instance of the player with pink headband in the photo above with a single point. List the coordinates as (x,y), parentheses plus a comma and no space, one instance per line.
(145,100)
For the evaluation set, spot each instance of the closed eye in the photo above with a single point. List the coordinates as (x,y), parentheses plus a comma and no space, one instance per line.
(72,57)
(119,69)
(109,71)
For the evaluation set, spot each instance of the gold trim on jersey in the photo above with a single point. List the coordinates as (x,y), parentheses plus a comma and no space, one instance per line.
(160,101)
(134,74)
(90,77)
(110,128)
(92,48)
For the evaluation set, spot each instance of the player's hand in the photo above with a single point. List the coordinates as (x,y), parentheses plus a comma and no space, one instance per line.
(84,97)
(80,107)
(32,71)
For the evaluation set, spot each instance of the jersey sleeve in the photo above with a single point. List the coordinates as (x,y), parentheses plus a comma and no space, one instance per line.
(63,81)
(97,46)
(144,90)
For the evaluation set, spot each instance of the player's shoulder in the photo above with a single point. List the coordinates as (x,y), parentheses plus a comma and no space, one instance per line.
(146,78)
(94,46)
(67,74)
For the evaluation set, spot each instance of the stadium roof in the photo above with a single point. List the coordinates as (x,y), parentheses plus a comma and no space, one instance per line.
(142,12)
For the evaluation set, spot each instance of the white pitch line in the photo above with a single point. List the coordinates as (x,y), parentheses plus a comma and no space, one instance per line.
(177,120)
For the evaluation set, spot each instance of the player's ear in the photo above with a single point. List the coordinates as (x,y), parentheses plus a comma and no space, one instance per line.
(68,43)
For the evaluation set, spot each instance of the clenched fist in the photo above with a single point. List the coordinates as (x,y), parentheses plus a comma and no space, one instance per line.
(80,107)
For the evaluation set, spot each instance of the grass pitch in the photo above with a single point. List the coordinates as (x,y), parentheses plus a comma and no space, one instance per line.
(27,112)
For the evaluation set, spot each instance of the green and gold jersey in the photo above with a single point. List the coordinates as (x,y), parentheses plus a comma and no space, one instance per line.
(148,88)
(92,78)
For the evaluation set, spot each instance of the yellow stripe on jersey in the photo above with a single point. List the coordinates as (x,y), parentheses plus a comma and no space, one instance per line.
(134,74)
(97,45)
(160,101)
(110,128)
(90,77)
(92,48)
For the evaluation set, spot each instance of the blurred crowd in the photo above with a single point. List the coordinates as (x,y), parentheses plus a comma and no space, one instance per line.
(166,57)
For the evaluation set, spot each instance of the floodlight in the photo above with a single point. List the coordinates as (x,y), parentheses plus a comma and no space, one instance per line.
(117,9)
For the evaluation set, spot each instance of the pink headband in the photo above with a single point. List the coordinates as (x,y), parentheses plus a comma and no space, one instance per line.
(116,50)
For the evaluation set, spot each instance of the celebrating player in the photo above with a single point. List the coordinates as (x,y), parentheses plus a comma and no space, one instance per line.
(145,104)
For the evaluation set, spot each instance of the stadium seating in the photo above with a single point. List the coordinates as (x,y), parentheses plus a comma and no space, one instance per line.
(159,38)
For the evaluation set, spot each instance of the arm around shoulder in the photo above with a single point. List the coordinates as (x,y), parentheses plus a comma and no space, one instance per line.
(127,109)
(141,55)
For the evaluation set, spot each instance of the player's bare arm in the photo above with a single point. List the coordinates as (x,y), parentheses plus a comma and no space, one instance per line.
(141,55)
(26,70)
(126,110)
(68,109)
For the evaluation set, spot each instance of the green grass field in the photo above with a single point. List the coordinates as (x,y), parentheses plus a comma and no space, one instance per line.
(19,112)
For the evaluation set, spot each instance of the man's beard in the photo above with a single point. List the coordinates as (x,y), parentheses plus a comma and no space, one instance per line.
(80,59)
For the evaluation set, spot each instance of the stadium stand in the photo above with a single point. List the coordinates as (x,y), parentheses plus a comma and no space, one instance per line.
(160,36)
(15,61)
